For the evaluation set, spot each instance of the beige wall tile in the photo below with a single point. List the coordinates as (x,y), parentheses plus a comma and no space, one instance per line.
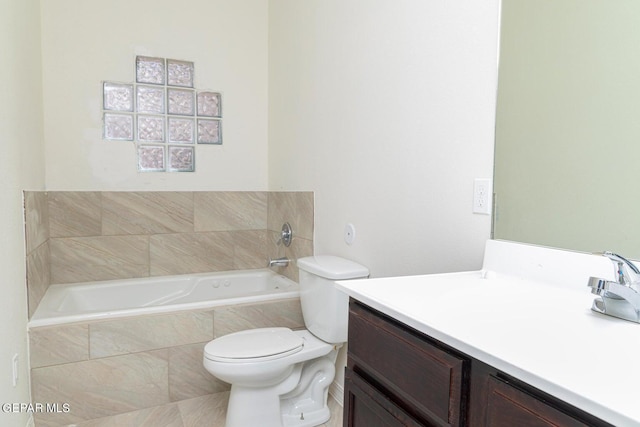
(191,253)
(102,387)
(88,256)
(208,410)
(38,275)
(299,248)
(286,313)
(80,259)
(249,249)
(144,333)
(147,212)
(36,216)
(230,210)
(296,208)
(74,213)
(187,376)
(58,344)
(159,416)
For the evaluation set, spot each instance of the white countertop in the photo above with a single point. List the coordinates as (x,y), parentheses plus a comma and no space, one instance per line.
(543,334)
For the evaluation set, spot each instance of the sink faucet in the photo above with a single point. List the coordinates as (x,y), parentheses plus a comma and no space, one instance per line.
(620,298)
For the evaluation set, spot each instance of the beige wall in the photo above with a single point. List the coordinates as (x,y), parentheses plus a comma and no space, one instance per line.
(21,166)
(87,41)
(385,109)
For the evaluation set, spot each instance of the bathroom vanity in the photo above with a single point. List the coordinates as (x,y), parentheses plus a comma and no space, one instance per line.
(401,377)
(513,344)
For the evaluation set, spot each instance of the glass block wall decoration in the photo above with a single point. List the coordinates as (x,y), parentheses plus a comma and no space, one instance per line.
(179,73)
(209,131)
(151,158)
(118,126)
(163,113)
(150,128)
(181,159)
(118,97)
(180,102)
(150,70)
(180,130)
(209,104)
(150,99)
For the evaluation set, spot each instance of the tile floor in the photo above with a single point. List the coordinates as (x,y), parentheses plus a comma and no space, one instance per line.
(204,411)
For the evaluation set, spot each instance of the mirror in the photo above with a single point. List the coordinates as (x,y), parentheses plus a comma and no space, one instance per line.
(567,159)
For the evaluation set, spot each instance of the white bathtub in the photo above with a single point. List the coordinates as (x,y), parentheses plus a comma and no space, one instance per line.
(118,298)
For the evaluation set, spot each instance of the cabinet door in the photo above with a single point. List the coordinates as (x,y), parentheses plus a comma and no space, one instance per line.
(508,406)
(365,406)
(424,379)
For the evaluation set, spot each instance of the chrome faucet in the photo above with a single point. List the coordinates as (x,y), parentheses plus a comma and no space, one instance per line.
(620,298)
(626,272)
(278,262)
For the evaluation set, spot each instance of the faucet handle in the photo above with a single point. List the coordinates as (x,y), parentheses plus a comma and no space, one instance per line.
(626,271)
(286,234)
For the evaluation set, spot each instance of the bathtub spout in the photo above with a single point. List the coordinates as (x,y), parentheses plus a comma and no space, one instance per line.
(278,262)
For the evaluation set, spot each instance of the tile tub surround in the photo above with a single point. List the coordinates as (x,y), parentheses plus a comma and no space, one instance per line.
(209,410)
(38,260)
(107,368)
(91,236)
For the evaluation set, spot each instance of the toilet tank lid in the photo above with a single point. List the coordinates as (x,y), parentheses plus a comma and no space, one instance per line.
(332,267)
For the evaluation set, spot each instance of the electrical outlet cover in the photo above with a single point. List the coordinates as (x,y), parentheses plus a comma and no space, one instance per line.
(482,196)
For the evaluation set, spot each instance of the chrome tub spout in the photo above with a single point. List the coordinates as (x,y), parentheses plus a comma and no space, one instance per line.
(278,262)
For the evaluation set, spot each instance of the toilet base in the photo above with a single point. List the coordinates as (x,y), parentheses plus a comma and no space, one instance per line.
(299,401)
(259,406)
(306,405)
(307,419)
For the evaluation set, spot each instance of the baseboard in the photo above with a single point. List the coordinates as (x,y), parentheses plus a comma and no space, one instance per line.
(337,392)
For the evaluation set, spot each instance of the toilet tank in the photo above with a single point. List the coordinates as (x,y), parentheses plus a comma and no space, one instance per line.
(326,309)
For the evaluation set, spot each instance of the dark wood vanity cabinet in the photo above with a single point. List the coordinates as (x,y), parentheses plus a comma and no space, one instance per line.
(397,376)
(509,406)
(392,368)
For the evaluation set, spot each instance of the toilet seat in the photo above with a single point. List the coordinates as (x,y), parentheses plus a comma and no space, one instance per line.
(254,345)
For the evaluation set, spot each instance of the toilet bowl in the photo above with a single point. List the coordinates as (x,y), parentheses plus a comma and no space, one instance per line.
(261,357)
(280,377)
(260,381)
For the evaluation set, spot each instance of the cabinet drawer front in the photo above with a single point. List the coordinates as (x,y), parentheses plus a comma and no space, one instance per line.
(367,407)
(423,376)
(509,406)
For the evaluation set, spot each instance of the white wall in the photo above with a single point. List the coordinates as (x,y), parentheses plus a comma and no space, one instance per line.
(21,167)
(386,110)
(87,41)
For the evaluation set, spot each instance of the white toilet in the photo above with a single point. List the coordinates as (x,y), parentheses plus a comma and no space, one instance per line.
(281,377)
